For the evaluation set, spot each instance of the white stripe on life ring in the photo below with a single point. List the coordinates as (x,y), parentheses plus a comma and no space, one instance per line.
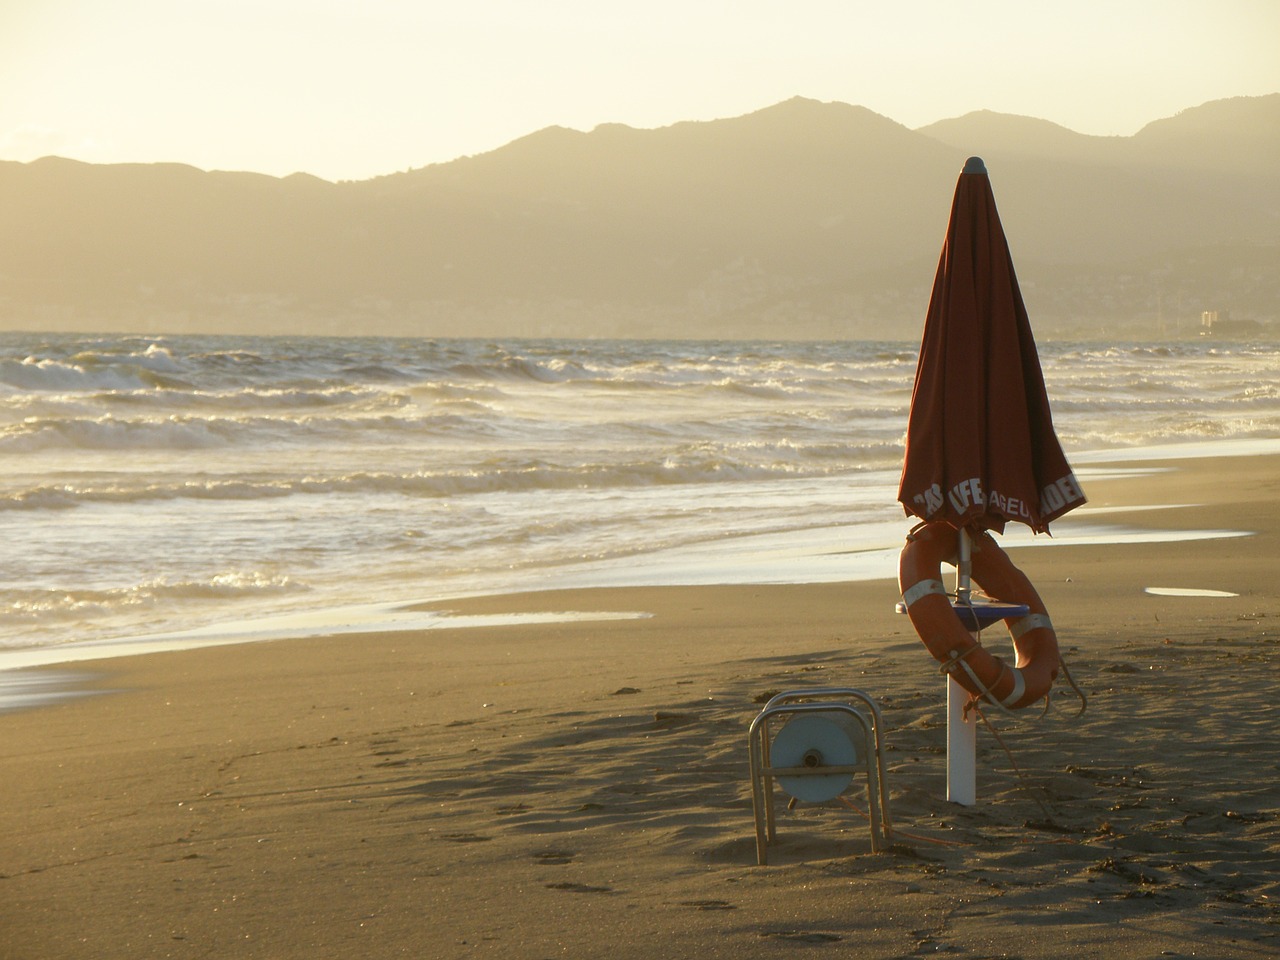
(924,588)
(1033,621)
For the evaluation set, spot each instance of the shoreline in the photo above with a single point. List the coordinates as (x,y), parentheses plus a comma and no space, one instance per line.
(819,555)
(580,788)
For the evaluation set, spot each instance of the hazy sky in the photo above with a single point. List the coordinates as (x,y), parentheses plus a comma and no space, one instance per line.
(349,89)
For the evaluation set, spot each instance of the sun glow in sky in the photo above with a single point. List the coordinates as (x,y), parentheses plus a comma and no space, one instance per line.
(350,89)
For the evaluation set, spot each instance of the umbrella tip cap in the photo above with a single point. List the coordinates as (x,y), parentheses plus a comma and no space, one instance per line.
(975,165)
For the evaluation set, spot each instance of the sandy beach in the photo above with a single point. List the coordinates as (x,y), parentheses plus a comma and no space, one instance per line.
(581,789)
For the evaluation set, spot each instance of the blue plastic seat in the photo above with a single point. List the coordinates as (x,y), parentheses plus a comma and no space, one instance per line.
(981,614)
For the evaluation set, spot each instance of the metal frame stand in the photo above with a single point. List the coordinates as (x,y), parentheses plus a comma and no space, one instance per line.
(962,730)
(836,702)
(962,747)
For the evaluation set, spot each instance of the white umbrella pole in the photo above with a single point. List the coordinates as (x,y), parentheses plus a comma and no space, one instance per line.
(962,731)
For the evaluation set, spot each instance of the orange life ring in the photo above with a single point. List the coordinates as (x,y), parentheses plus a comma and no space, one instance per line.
(980,672)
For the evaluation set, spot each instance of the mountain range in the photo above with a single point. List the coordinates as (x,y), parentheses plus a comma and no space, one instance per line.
(801,220)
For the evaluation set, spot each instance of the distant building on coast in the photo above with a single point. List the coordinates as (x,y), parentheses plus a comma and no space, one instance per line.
(1213,318)
(1218,323)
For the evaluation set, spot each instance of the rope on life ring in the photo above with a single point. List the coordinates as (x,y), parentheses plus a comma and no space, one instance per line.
(980,672)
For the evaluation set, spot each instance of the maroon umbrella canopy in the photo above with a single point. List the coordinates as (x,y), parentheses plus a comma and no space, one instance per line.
(981,449)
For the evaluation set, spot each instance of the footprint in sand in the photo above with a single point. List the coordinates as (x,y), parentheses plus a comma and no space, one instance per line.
(578,888)
(802,936)
(708,904)
(1127,871)
(553,857)
(464,838)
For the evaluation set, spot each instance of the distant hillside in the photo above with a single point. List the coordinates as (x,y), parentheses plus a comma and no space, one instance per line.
(1239,136)
(804,219)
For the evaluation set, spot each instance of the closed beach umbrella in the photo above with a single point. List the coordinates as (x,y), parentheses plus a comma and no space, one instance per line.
(981,451)
(981,448)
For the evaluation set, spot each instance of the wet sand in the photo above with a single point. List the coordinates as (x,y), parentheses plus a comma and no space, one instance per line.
(581,789)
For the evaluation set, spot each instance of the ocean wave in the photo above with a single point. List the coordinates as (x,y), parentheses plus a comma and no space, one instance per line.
(371,421)
(1109,354)
(174,403)
(374,373)
(193,374)
(59,376)
(31,606)
(187,432)
(1116,407)
(70,496)
(518,367)
(767,389)
(111,433)
(256,398)
(695,463)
